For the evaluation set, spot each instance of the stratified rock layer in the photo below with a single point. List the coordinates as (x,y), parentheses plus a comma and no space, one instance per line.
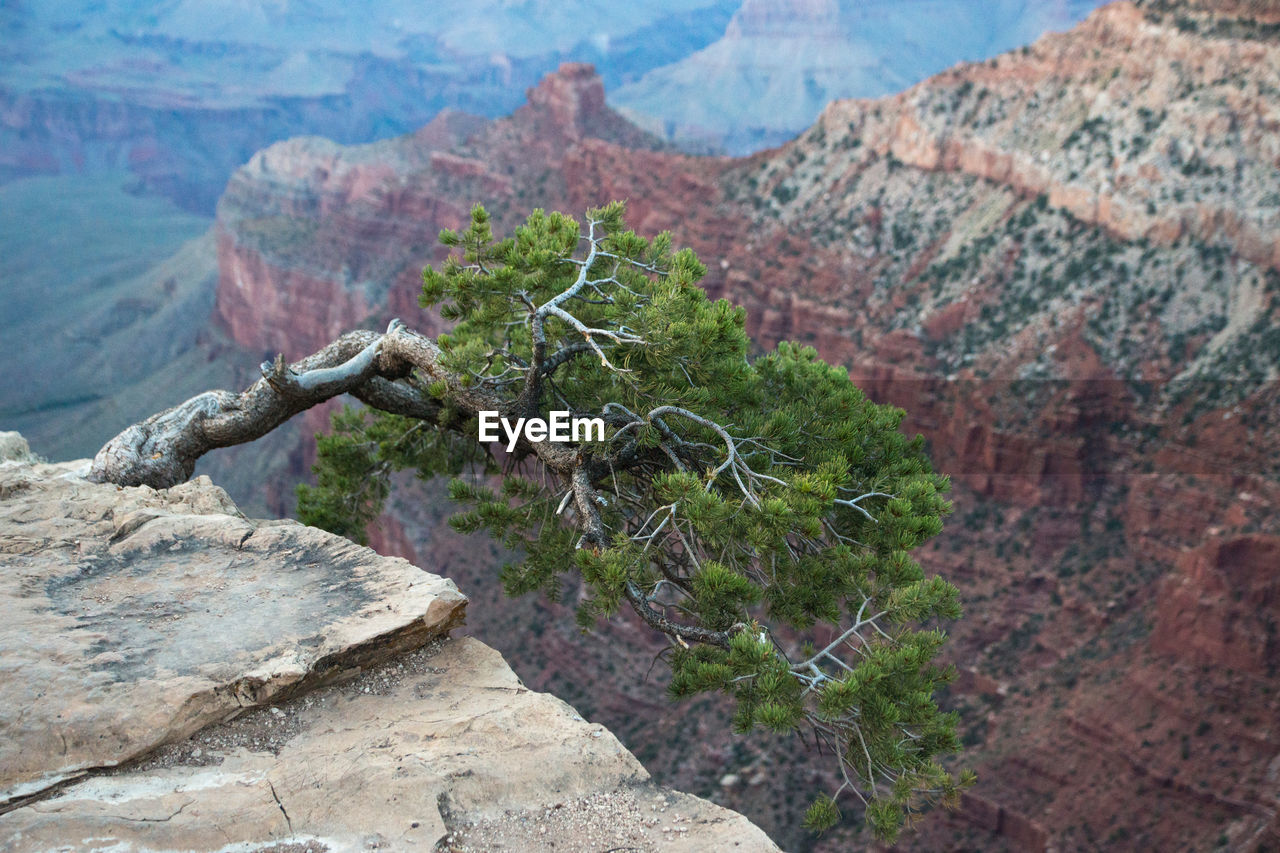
(131,617)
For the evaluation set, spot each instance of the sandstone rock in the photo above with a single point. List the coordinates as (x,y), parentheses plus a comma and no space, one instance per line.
(445,743)
(132,617)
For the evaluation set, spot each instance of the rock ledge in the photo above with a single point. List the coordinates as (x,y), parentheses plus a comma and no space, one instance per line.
(175,676)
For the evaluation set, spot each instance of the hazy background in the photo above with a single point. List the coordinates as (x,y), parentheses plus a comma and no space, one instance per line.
(180,93)
(121,121)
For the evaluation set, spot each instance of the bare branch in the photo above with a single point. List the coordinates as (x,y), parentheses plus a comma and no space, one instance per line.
(563,355)
(162,450)
(685,633)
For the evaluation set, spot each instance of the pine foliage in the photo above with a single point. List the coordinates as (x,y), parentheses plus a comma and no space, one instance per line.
(760,512)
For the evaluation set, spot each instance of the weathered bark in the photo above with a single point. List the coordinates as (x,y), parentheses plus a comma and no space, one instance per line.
(685,633)
(162,450)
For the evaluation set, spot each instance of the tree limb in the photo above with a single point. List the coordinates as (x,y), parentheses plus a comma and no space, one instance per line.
(162,450)
(686,633)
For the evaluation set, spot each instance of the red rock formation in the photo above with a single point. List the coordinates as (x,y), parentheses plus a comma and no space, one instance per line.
(1221,606)
(1100,385)
(313,242)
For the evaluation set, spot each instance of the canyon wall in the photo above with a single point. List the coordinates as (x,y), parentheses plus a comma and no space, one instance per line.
(1062,263)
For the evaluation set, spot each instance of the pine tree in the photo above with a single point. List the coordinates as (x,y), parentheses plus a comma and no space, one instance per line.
(733,504)
(743,507)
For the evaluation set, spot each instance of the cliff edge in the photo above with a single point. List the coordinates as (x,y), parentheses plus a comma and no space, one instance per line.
(175,676)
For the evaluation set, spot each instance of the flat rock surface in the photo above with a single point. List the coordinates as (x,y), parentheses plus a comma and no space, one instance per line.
(440,749)
(133,617)
(175,676)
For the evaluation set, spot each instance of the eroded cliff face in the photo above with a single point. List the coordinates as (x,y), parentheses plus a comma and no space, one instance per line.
(1063,265)
(1130,121)
(314,238)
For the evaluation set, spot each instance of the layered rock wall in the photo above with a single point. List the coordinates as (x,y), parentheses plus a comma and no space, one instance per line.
(1098,377)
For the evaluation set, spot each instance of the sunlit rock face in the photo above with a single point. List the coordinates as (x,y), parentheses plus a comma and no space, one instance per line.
(133,617)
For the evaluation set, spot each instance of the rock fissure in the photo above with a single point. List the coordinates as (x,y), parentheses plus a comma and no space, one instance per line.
(276,797)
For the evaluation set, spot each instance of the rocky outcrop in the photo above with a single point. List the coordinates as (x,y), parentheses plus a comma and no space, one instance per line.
(177,676)
(313,241)
(14,448)
(443,748)
(134,617)
(1221,606)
